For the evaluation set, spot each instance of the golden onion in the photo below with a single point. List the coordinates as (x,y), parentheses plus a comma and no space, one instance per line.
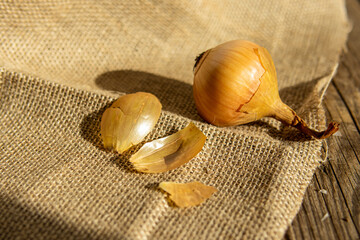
(235,83)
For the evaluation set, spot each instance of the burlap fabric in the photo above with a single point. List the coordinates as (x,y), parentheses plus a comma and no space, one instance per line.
(63,62)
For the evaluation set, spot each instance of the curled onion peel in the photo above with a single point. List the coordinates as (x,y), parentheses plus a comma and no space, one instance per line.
(170,152)
(128,120)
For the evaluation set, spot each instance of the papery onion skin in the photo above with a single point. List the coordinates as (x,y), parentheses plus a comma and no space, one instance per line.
(128,120)
(235,83)
(169,152)
(188,194)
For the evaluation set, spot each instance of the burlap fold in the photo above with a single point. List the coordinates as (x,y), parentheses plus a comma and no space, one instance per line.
(56,180)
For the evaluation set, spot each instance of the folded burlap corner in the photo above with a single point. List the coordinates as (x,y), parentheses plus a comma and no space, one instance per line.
(63,63)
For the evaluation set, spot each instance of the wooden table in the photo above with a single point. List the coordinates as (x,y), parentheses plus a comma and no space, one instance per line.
(331,207)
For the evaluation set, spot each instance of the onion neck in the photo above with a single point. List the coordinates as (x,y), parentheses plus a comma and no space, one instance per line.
(286,115)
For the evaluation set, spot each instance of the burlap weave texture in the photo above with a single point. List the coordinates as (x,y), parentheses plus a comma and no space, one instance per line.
(56,180)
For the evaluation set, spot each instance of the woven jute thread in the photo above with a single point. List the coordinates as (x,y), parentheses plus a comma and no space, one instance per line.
(56,168)
(56,179)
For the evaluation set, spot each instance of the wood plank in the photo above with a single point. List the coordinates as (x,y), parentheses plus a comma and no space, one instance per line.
(348,81)
(340,175)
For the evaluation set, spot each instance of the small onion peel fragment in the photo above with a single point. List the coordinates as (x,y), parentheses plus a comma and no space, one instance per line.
(129,119)
(188,194)
(170,152)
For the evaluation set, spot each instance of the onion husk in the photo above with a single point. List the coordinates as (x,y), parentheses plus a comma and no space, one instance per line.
(128,120)
(170,152)
(187,194)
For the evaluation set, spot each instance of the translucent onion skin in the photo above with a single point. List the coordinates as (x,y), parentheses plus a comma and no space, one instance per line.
(169,152)
(235,83)
(128,120)
(188,194)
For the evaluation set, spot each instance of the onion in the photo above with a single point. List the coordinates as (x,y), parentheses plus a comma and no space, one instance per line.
(235,83)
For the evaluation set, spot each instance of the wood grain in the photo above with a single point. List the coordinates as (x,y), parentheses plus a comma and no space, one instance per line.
(331,207)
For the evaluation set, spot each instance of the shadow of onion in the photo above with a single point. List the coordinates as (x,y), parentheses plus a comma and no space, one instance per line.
(177,97)
(90,127)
